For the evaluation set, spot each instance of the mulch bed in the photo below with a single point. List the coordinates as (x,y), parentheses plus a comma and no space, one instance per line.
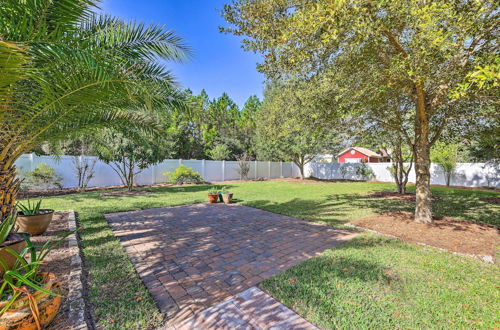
(446,233)
(492,200)
(59,263)
(126,193)
(396,196)
(67,191)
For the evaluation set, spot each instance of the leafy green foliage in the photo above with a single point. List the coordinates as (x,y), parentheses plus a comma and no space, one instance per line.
(446,155)
(66,70)
(26,273)
(128,154)
(363,172)
(6,227)
(42,177)
(184,175)
(290,126)
(219,152)
(210,123)
(30,208)
(363,53)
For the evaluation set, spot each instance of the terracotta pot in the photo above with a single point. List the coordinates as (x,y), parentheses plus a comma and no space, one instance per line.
(212,198)
(19,315)
(34,224)
(16,242)
(228,198)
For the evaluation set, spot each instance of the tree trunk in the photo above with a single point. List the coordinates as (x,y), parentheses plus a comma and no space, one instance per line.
(423,209)
(300,162)
(9,186)
(301,168)
(448,179)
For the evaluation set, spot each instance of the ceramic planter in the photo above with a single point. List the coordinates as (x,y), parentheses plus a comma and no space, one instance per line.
(212,198)
(16,242)
(228,198)
(20,316)
(34,224)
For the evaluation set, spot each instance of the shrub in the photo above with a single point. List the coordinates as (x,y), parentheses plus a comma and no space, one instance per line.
(243,166)
(363,172)
(183,175)
(42,177)
(220,152)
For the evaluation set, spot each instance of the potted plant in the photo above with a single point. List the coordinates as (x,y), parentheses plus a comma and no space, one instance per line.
(32,219)
(9,241)
(213,195)
(227,196)
(29,298)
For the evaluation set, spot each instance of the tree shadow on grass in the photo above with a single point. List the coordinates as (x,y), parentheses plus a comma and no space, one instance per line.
(310,210)
(339,209)
(462,206)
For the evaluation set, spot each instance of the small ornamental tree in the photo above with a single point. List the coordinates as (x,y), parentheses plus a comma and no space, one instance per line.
(432,52)
(128,154)
(446,156)
(84,169)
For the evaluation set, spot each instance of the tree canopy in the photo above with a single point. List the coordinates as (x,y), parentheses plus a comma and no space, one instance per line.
(290,125)
(431,52)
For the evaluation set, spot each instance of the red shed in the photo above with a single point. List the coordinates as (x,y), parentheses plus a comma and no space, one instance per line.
(361,155)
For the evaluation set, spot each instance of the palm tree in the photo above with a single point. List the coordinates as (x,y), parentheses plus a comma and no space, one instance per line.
(65,69)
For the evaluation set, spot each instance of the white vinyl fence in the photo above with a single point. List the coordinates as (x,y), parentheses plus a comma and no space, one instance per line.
(210,170)
(466,174)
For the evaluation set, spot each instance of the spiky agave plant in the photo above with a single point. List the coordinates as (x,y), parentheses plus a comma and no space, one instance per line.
(64,69)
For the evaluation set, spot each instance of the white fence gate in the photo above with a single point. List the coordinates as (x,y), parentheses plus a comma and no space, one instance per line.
(210,170)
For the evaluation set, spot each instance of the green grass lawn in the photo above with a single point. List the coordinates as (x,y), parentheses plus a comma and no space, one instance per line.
(370,282)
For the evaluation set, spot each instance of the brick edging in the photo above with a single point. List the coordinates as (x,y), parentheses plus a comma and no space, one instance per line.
(76,310)
(483,257)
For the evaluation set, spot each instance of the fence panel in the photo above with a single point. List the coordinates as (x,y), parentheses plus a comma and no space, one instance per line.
(465,174)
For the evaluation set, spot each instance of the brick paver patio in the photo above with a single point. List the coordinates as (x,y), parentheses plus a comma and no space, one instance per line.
(193,257)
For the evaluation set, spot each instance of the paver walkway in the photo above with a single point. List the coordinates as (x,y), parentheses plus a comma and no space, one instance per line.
(193,257)
(251,309)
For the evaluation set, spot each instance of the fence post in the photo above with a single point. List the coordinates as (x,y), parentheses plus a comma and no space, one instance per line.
(256,167)
(281,169)
(223,170)
(203,169)
(269,169)
(31,162)
(180,161)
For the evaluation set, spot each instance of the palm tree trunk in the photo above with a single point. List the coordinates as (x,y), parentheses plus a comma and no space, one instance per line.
(9,186)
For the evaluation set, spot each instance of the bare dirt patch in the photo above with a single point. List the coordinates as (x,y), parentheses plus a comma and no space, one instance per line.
(492,200)
(396,196)
(446,233)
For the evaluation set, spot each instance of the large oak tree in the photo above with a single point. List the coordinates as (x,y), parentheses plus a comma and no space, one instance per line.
(430,51)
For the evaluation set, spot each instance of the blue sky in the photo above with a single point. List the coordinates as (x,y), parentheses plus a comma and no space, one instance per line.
(219,64)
